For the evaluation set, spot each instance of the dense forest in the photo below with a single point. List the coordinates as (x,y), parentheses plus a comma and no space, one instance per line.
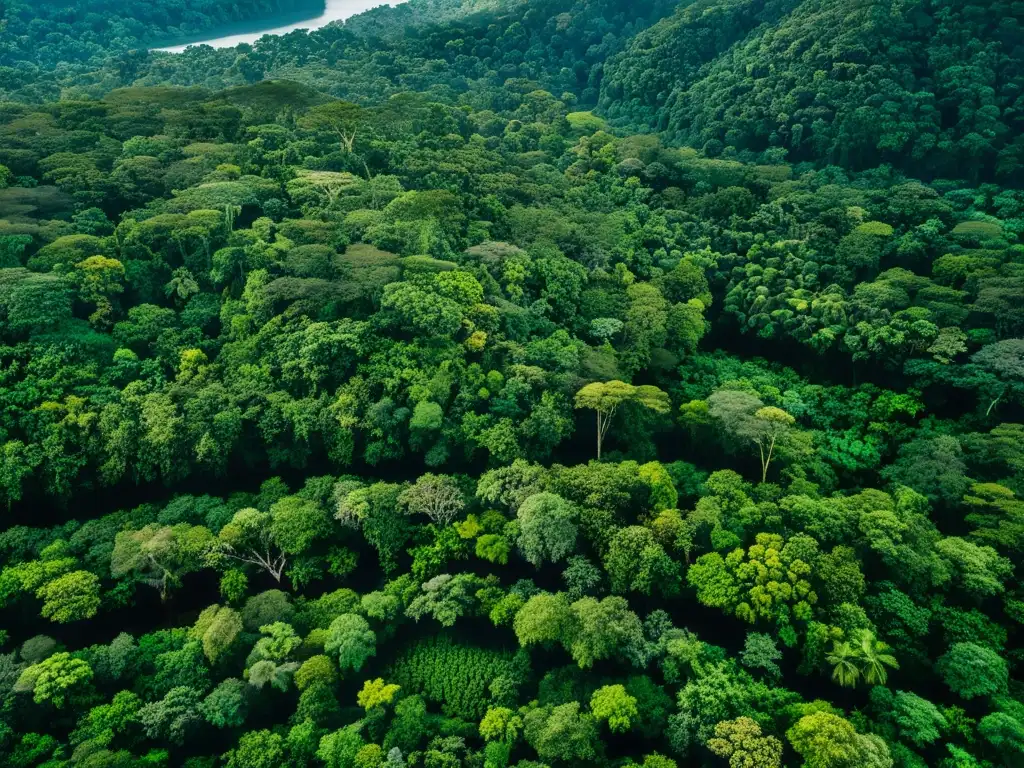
(513,385)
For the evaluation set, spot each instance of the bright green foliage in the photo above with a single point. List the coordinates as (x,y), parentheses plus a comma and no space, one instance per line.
(295,523)
(71,597)
(257,749)
(376,693)
(494,548)
(603,629)
(217,628)
(316,670)
(53,680)
(741,742)
(919,721)
(561,733)
(825,740)
(768,581)
(271,659)
(500,724)
(979,569)
(663,490)
(611,703)
(861,656)
(338,749)
(103,723)
(233,586)
(351,641)
(278,644)
(1005,733)
(544,618)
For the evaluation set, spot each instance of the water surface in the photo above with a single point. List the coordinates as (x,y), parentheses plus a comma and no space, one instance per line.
(336,10)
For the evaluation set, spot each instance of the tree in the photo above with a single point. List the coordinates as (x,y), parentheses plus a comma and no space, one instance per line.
(296,522)
(611,703)
(605,398)
(267,607)
(500,724)
(825,740)
(316,670)
(740,741)
(562,733)
(604,629)
(257,749)
(971,670)
(874,658)
(446,598)
(544,618)
(105,722)
(770,580)
(339,749)
(747,419)
(173,717)
(377,693)
(919,721)
(979,570)
(843,657)
(1005,733)
(636,562)
(581,577)
(1005,360)
(161,555)
(247,539)
(71,597)
(761,652)
(279,643)
(351,640)
(227,705)
(436,496)
(341,118)
(863,656)
(932,466)
(217,628)
(55,679)
(547,528)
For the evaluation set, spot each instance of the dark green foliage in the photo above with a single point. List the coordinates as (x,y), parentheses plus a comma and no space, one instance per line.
(349,289)
(456,676)
(708,73)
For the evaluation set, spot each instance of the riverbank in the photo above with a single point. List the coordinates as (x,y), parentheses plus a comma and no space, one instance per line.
(310,16)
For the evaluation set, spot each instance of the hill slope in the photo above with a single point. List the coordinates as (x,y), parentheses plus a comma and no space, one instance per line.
(933,85)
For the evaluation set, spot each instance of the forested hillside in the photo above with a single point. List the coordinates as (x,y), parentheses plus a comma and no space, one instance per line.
(932,86)
(388,397)
(457,50)
(52,34)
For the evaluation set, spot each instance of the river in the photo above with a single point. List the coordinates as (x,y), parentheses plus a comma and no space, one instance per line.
(336,10)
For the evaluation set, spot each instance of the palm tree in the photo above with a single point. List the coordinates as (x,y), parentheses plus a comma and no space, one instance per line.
(843,659)
(182,285)
(874,658)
